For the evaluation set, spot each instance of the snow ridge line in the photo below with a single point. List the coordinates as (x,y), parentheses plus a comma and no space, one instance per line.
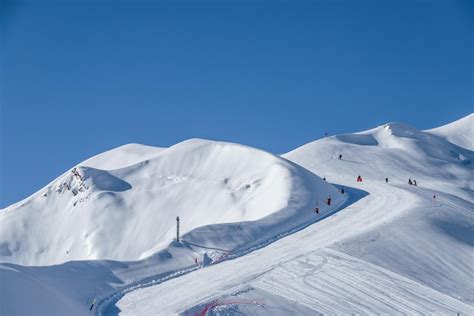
(104,303)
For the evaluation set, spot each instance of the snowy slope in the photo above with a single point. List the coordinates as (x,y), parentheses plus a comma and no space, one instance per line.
(432,241)
(394,251)
(397,250)
(395,151)
(460,132)
(306,274)
(129,213)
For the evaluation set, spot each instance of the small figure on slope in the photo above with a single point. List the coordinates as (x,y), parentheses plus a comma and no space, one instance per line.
(386,180)
(206,260)
(359,178)
(328,202)
(340,157)
(316,209)
(410,182)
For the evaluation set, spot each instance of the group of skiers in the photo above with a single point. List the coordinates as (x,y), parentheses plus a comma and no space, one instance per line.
(359,179)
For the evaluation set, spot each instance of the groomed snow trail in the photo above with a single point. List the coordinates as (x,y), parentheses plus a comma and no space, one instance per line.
(105,305)
(301,269)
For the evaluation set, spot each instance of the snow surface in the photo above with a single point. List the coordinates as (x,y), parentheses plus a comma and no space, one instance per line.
(380,248)
(460,132)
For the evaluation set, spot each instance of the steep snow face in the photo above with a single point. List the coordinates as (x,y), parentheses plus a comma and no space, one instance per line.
(460,132)
(128,213)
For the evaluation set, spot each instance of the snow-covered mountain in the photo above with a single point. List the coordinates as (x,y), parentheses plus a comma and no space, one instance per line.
(129,213)
(401,249)
(381,247)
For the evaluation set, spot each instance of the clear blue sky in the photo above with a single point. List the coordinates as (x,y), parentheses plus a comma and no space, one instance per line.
(82,77)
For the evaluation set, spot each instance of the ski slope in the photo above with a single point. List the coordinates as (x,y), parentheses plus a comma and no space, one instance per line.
(379,248)
(396,251)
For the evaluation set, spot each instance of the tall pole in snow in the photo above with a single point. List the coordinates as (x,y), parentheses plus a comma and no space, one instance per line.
(177,228)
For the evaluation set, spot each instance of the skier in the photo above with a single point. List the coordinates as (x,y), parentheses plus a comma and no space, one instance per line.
(410,182)
(359,178)
(342,190)
(206,260)
(316,209)
(325,134)
(386,180)
(414,182)
(324,178)
(328,201)
(340,157)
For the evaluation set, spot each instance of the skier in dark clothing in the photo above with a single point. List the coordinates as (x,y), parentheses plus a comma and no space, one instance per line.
(386,180)
(340,157)
(414,182)
(410,182)
(359,178)
(328,201)
(342,190)
(316,209)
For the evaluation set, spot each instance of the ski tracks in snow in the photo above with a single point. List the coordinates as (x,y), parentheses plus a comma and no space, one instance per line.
(303,271)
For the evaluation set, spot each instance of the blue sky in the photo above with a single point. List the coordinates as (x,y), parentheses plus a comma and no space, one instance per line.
(82,77)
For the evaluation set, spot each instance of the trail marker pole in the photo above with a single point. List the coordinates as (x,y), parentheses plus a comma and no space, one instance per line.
(177,228)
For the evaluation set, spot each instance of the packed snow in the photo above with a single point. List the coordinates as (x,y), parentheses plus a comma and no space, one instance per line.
(251,241)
